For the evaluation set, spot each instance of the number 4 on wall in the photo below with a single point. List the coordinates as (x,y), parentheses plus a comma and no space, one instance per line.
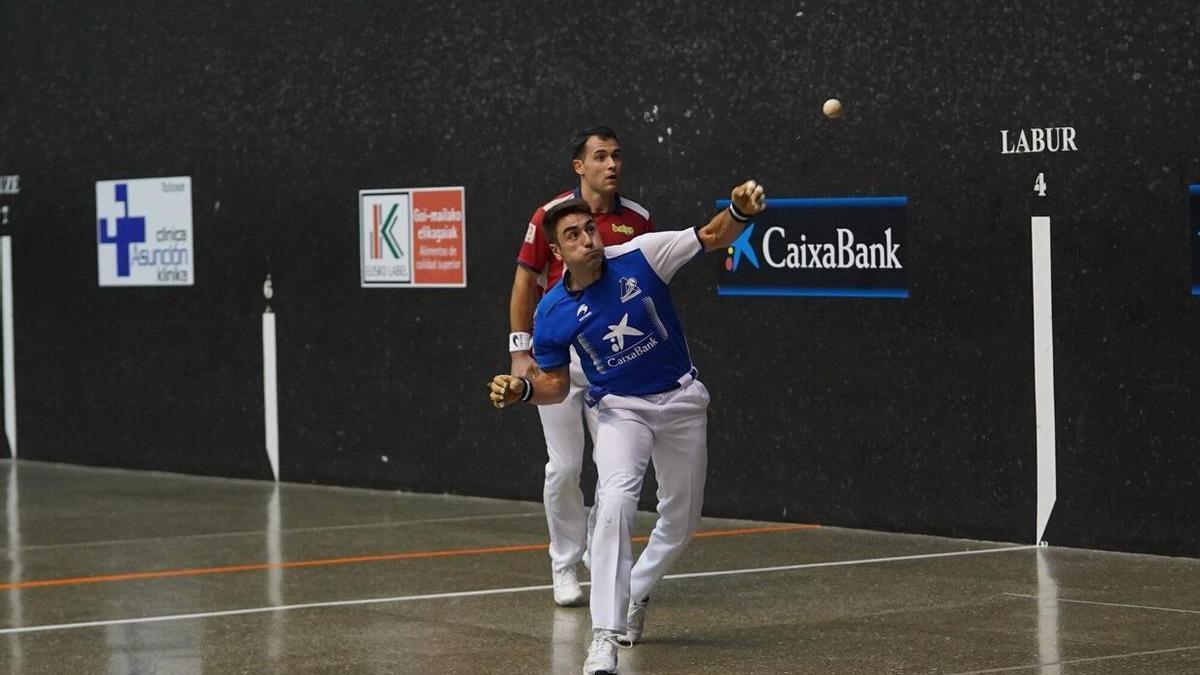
(1039,185)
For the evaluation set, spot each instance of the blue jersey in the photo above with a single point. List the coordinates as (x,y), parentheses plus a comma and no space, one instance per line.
(623,325)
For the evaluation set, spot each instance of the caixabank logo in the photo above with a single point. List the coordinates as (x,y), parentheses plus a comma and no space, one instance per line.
(821,247)
(144,232)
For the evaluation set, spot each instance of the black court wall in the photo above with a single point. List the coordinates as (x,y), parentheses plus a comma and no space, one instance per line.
(910,414)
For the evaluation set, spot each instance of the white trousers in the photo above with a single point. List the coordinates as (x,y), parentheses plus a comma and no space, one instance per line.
(672,429)
(566,515)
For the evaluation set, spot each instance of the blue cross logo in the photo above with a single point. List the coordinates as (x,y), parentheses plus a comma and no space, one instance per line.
(129,231)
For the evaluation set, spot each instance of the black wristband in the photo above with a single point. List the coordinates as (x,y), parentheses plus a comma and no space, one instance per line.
(528,393)
(737,215)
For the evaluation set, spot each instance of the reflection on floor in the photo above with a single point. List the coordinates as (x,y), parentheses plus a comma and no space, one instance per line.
(124,572)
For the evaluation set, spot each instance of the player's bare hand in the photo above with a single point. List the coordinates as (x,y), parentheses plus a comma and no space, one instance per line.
(504,390)
(749,198)
(523,365)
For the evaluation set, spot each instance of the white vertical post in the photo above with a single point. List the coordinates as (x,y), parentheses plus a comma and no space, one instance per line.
(6,309)
(270,392)
(1043,373)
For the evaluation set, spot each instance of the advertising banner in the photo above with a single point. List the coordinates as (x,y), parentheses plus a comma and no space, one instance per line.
(821,246)
(413,237)
(144,232)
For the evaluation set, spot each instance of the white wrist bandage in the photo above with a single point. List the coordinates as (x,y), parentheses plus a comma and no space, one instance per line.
(520,342)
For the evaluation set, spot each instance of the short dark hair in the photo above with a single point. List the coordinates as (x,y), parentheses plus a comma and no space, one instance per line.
(579,142)
(555,213)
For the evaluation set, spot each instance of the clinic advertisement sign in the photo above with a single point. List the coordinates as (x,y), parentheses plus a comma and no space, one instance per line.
(144,232)
(821,247)
(413,237)
(1194,195)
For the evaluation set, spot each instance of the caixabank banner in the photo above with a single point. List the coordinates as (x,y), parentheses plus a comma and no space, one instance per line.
(821,247)
(1194,195)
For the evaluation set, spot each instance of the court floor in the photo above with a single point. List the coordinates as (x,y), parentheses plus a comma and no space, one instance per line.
(109,571)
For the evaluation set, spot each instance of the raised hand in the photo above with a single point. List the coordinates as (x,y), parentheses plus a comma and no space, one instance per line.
(749,198)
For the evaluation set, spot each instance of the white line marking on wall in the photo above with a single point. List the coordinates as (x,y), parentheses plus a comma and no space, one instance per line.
(1043,373)
(270,393)
(10,380)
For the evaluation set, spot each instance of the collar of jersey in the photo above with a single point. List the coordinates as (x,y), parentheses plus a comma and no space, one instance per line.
(577,193)
(566,279)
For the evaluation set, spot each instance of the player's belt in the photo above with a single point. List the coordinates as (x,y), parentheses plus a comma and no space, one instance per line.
(688,378)
(594,393)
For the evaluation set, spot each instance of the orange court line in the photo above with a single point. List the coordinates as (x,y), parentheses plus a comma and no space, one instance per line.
(415,555)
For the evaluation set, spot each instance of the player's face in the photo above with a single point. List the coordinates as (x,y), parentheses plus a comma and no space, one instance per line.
(600,168)
(579,245)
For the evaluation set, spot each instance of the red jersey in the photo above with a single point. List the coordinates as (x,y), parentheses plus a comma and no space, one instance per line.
(627,220)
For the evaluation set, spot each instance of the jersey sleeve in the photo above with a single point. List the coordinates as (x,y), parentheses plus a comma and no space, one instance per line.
(535,250)
(549,350)
(668,251)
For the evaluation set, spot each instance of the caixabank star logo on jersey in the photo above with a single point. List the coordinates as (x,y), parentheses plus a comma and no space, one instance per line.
(821,246)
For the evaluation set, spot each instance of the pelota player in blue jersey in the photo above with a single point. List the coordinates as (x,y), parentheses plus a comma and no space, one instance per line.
(614,306)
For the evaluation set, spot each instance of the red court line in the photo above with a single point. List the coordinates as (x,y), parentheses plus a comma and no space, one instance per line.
(323,562)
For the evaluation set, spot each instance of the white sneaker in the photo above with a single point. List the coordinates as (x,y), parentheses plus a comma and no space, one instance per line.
(567,592)
(602,653)
(635,621)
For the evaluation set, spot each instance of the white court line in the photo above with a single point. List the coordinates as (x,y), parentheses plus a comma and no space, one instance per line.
(280,608)
(289,530)
(840,563)
(1110,604)
(485,592)
(1111,657)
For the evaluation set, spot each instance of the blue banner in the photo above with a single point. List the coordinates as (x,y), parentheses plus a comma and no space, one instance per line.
(1194,192)
(853,247)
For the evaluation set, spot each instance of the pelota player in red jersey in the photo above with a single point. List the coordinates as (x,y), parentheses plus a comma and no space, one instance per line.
(597,161)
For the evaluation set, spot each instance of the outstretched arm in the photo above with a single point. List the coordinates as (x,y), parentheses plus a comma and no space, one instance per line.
(748,199)
(548,387)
